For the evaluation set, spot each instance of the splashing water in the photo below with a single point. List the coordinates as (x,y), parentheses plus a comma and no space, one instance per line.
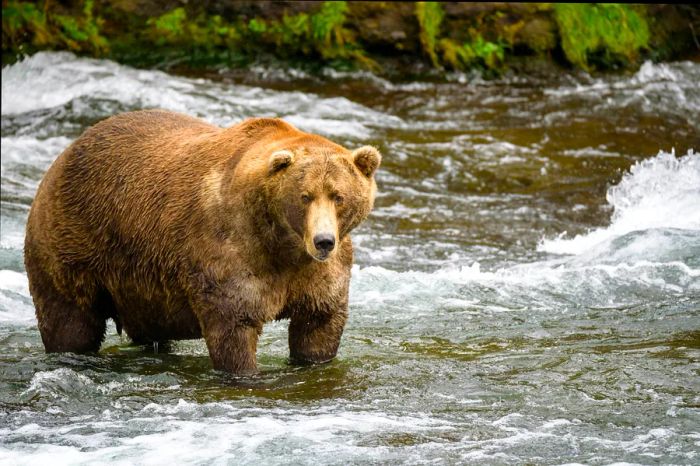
(663,192)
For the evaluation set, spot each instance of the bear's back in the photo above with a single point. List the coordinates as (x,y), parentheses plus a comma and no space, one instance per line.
(114,190)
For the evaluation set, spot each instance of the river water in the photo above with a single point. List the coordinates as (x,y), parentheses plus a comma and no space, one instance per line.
(527,289)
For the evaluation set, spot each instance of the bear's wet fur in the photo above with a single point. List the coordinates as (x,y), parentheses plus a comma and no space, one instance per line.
(179,229)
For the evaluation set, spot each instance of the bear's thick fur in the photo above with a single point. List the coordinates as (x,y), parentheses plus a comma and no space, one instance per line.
(179,229)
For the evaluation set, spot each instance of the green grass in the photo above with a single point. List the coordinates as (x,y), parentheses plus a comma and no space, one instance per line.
(25,25)
(320,35)
(478,53)
(591,36)
(607,35)
(169,28)
(430,16)
(327,24)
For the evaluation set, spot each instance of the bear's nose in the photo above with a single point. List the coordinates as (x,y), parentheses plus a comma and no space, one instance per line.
(324,242)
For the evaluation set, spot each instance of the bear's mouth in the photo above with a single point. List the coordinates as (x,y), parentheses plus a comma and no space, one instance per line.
(322,256)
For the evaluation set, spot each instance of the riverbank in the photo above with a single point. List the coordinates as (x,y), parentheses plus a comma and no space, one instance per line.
(387,38)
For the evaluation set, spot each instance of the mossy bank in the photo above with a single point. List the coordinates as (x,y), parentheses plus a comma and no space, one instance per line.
(384,37)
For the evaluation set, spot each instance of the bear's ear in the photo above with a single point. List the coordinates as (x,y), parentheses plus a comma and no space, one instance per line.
(280,160)
(367,159)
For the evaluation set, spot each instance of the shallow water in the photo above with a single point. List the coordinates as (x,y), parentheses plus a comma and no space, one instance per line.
(526,291)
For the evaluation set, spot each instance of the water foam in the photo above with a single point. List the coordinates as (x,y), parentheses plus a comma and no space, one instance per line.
(15,304)
(661,192)
(538,286)
(218,433)
(30,85)
(656,86)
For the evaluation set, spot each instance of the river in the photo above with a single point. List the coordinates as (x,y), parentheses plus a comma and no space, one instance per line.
(527,289)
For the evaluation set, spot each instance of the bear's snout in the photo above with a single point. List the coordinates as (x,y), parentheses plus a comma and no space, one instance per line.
(324,242)
(321,233)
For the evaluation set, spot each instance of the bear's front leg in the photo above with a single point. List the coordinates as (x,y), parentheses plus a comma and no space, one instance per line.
(315,338)
(229,325)
(232,346)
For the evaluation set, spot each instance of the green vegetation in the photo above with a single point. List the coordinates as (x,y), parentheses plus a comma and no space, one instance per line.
(321,35)
(607,34)
(327,24)
(202,35)
(204,39)
(429,16)
(169,28)
(338,33)
(476,53)
(26,28)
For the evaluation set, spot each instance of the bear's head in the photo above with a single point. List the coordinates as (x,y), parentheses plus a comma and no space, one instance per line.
(321,191)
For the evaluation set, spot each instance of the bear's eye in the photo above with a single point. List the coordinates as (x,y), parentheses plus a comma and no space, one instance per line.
(338,199)
(305,198)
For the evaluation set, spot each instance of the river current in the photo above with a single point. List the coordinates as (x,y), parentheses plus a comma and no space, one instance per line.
(527,289)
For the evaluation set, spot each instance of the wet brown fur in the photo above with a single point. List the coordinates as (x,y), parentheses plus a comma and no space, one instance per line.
(179,229)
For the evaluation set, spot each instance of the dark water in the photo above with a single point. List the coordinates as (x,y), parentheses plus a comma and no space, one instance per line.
(526,291)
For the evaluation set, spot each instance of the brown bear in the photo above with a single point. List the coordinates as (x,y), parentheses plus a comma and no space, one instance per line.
(179,229)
